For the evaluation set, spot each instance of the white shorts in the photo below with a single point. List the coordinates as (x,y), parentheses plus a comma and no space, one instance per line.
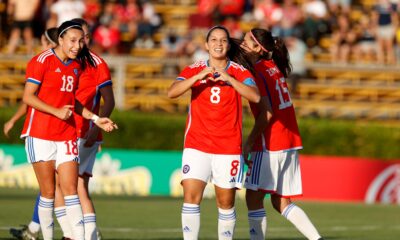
(225,171)
(39,150)
(87,156)
(275,172)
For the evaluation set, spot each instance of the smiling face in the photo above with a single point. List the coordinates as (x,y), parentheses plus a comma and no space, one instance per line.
(250,45)
(217,44)
(72,42)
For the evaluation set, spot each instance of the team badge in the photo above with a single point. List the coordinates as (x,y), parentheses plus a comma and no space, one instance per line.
(185,169)
(76,71)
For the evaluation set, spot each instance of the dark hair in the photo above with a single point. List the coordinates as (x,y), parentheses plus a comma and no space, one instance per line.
(235,52)
(276,46)
(51,35)
(81,21)
(84,55)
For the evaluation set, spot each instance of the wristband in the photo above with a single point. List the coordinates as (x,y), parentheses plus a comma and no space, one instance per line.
(94,118)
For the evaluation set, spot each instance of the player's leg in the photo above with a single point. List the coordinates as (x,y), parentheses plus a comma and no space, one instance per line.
(260,177)
(87,156)
(289,184)
(89,215)
(226,212)
(41,154)
(67,169)
(296,216)
(31,230)
(227,175)
(196,170)
(45,175)
(61,212)
(257,216)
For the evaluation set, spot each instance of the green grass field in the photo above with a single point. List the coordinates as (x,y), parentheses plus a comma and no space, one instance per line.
(159,218)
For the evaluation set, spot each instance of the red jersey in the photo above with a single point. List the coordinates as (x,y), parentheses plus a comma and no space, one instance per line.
(214,123)
(91,81)
(282,133)
(57,85)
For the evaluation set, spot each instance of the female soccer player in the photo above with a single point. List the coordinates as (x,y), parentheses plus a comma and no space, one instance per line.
(274,140)
(213,136)
(94,82)
(52,79)
(31,231)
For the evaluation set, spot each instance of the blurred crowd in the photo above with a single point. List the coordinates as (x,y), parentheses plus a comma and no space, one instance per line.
(349,30)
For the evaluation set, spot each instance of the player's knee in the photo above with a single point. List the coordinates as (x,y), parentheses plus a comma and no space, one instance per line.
(47,193)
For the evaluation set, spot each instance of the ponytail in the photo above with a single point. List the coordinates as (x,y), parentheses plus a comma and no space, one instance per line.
(280,55)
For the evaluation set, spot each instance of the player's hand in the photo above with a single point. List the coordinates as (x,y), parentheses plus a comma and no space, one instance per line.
(106,124)
(7,127)
(64,112)
(207,73)
(221,75)
(246,153)
(91,136)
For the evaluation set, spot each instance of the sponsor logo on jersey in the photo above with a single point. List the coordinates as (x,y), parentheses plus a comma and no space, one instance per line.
(58,70)
(232,180)
(186,169)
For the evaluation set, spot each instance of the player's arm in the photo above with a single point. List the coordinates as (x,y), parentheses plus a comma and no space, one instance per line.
(105,111)
(102,122)
(30,98)
(21,111)
(179,87)
(247,89)
(261,122)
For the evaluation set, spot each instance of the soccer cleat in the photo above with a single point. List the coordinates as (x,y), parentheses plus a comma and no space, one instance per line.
(24,233)
(65,238)
(321,239)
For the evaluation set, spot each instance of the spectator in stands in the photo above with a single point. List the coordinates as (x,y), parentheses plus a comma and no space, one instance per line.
(64,10)
(289,24)
(385,17)
(343,40)
(267,13)
(148,24)
(315,21)
(173,44)
(366,47)
(106,37)
(22,13)
(203,19)
(128,15)
(343,6)
(230,8)
(92,13)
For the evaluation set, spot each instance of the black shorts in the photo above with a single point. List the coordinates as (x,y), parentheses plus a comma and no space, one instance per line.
(22,24)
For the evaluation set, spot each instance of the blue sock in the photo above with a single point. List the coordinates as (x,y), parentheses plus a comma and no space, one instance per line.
(35,216)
